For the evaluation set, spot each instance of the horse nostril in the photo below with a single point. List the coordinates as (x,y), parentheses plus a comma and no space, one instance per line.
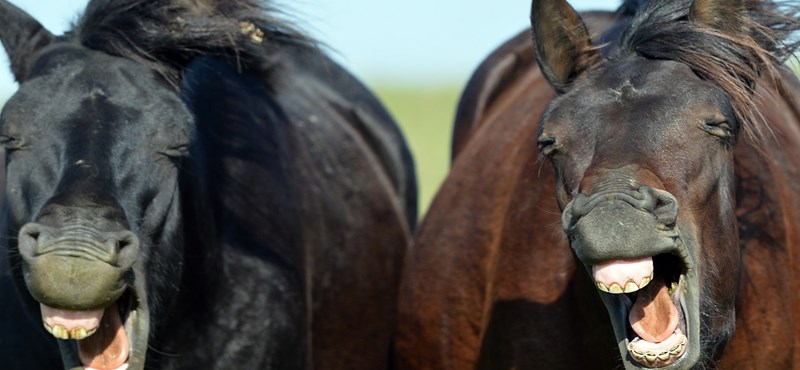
(33,234)
(665,206)
(31,231)
(126,246)
(125,242)
(28,239)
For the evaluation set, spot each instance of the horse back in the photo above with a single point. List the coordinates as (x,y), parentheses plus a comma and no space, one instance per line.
(358,203)
(317,183)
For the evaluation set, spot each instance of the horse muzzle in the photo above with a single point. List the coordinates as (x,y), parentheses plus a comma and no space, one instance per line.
(76,267)
(80,275)
(621,224)
(630,244)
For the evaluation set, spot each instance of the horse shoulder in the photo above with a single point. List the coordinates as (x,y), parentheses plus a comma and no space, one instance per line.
(357,203)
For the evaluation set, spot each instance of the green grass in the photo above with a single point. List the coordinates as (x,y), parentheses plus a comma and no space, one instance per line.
(426,116)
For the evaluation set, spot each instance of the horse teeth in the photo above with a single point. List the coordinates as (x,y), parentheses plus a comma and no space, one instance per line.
(664,356)
(77,333)
(672,288)
(650,358)
(617,288)
(81,333)
(631,287)
(645,281)
(60,332)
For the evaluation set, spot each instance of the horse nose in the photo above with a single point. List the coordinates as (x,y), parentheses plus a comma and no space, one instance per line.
(621,223)
(117,248)
(660,203)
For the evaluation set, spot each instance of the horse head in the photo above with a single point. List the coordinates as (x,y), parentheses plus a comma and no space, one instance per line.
(93,144)
(642,138)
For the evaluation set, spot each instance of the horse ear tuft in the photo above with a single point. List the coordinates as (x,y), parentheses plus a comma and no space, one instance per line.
(724,15)
(564,49)
(22,37)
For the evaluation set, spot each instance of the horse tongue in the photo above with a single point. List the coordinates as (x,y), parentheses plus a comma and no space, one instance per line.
(653,316)
(108,348)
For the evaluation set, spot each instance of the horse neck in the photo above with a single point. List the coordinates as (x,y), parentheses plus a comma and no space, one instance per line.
(768,213)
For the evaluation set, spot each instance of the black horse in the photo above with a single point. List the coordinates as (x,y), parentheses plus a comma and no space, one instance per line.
(195,185)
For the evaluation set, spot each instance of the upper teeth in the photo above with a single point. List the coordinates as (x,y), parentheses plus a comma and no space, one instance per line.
(60,332)
(629,287)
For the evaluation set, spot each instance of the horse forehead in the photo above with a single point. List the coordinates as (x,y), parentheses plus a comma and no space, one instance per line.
(72,71)
(639,90)
(71,81)
(644,79)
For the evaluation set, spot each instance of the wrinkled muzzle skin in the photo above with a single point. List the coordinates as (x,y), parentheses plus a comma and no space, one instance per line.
(78,266)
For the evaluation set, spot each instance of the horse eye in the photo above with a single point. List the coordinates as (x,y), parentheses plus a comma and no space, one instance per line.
(10,143)
(547,145)
(176,152)
(721,128)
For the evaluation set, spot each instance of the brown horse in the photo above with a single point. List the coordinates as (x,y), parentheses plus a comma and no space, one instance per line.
(670,237)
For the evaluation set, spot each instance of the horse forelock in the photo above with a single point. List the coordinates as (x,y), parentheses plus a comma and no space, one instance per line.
(166,35)
(735,61)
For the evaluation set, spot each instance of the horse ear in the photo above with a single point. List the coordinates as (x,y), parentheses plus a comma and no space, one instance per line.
(22,37)
(725,15)
(563,46)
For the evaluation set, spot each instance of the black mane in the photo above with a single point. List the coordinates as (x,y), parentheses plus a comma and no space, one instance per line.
(734,56)
(167,34)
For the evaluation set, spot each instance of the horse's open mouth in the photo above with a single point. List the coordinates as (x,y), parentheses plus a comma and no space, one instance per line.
(103,336)
(651,294)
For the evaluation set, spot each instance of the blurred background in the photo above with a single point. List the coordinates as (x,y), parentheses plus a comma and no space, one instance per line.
(417,55)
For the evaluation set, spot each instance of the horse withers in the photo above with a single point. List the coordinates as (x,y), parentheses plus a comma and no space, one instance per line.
(663,231)
(194,185)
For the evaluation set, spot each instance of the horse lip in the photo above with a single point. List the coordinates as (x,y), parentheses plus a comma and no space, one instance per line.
(584,204)
(617,230)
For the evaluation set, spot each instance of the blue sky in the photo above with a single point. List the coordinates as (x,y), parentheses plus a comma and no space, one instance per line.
(411,42)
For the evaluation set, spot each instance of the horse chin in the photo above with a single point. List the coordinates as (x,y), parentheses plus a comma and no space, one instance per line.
(680,349)
(123,331)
